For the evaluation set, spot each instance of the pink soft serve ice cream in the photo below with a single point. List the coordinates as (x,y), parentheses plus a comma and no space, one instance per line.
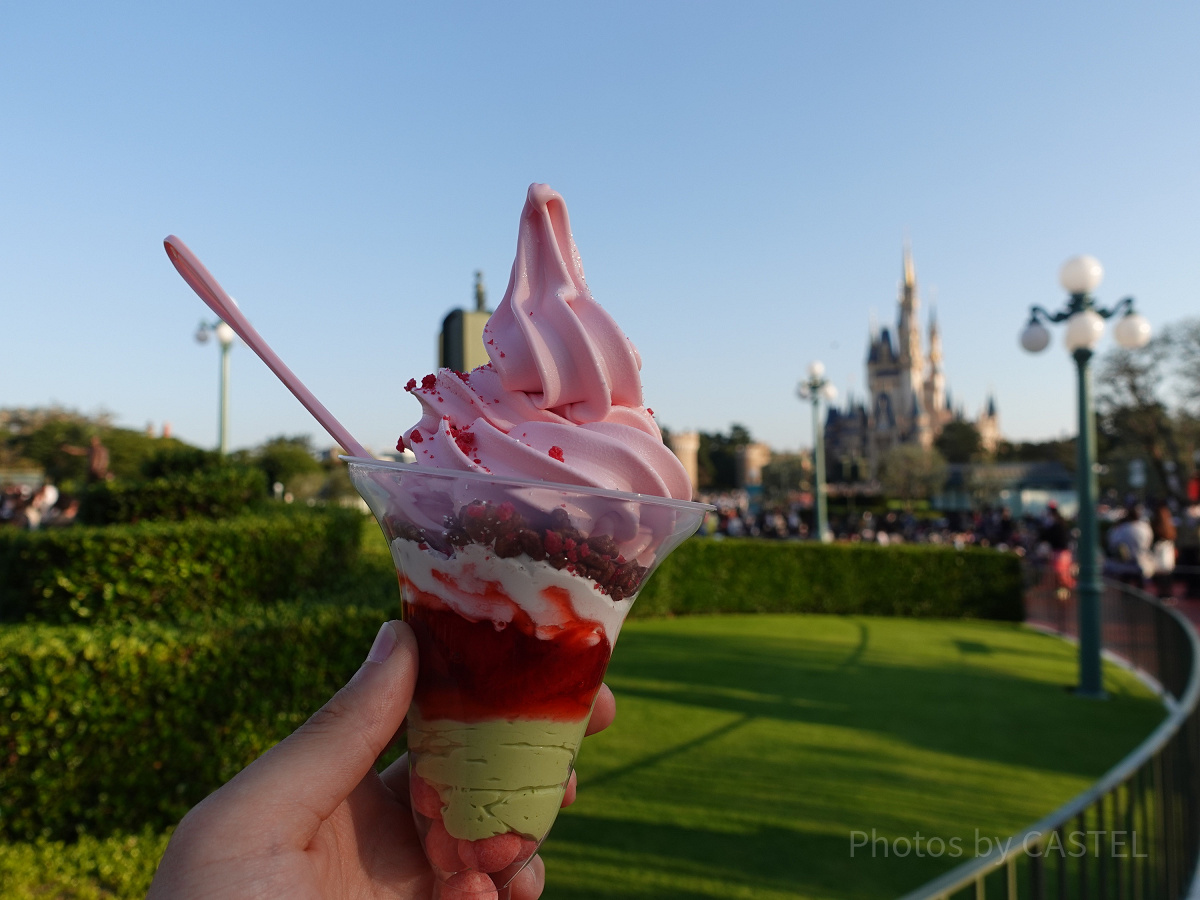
(542,498)
(561,399)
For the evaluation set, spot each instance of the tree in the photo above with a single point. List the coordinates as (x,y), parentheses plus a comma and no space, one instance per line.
(291,461)
(784,474)
(1062,451)
(959,442)
(1132,401)
(984,484)
(39,437)
(909,472)
(284,459)
(716,460)
(1185,346)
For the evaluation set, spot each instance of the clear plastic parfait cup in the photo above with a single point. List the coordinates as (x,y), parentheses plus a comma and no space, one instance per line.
(516,591)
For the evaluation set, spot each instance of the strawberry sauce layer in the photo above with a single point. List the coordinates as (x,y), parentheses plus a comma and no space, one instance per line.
(473,670)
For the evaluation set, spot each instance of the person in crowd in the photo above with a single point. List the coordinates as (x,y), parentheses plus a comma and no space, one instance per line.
(1130,547)
(11,502)
(1006,528)
(1187,550)
(62,513)
(40,504)
(1162,526)
(1057,536)
(97,459)
(16,506)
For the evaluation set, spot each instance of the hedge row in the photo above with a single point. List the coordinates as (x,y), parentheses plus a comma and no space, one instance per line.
(156,570)
(120,728)
(164,570)
(746,575)
(210,493)
(91,868)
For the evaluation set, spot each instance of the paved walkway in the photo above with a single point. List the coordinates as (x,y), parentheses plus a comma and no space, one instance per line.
(1046,609)
(1041,612)
(1190,608)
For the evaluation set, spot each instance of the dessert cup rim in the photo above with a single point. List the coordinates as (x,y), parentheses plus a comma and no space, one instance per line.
(433,471)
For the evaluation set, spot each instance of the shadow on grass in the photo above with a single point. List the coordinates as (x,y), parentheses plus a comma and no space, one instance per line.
(864,641)
(972,647)
(955,707)
(655,758)
(690,863)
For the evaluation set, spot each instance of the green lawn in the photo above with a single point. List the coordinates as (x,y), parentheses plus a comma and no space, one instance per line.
(747,749)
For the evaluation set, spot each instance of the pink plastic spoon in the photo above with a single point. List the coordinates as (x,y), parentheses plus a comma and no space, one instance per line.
(211,292)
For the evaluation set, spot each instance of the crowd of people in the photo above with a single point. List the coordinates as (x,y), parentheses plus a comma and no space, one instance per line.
(1146,548)
(44,506)
(990,527)
(1156,549)
(1152,547)
(22,506)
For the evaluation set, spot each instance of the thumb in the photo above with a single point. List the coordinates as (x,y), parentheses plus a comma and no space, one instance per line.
(319,764)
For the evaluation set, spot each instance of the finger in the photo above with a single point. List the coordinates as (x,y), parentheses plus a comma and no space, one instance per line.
(529,882)
(318,765)
(604,710)
(569,793)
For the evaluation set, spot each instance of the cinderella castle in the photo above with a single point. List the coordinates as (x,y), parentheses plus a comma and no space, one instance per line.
(909,401)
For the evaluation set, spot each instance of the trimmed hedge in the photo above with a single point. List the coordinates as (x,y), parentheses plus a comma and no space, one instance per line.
(88,869)
(122,728)
(208,493)
(118,728)
(165,570)
(181,460)
(747,575)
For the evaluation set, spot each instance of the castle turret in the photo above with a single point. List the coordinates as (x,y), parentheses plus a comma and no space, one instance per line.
(935,342)
(908,398)
(988,425)
(935,385)
(912,361)
(909,326)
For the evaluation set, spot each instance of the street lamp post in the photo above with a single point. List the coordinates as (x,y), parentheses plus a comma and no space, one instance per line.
(1080,276)
(225,338)
(814,388)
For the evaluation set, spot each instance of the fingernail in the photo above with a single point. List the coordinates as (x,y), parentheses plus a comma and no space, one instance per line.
(385,643)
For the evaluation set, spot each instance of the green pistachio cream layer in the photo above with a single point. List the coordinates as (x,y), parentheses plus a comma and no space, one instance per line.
(496,775)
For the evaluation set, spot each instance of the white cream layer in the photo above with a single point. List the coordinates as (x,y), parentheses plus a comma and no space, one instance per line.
(465,581)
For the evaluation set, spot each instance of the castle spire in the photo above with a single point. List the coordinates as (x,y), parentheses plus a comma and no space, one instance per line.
(908,326)
(935,340)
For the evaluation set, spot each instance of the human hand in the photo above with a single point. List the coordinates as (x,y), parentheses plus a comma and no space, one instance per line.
(312,819)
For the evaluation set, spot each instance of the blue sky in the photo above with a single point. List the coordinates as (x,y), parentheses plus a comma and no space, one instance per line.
(741,178)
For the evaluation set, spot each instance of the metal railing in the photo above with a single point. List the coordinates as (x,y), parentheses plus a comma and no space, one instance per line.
(1136,832)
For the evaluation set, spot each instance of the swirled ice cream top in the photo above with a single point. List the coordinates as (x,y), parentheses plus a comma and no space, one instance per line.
(561,399)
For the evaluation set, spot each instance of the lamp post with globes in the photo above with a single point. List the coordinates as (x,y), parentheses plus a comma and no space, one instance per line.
(1080,276)
(814,388)
(225,338)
